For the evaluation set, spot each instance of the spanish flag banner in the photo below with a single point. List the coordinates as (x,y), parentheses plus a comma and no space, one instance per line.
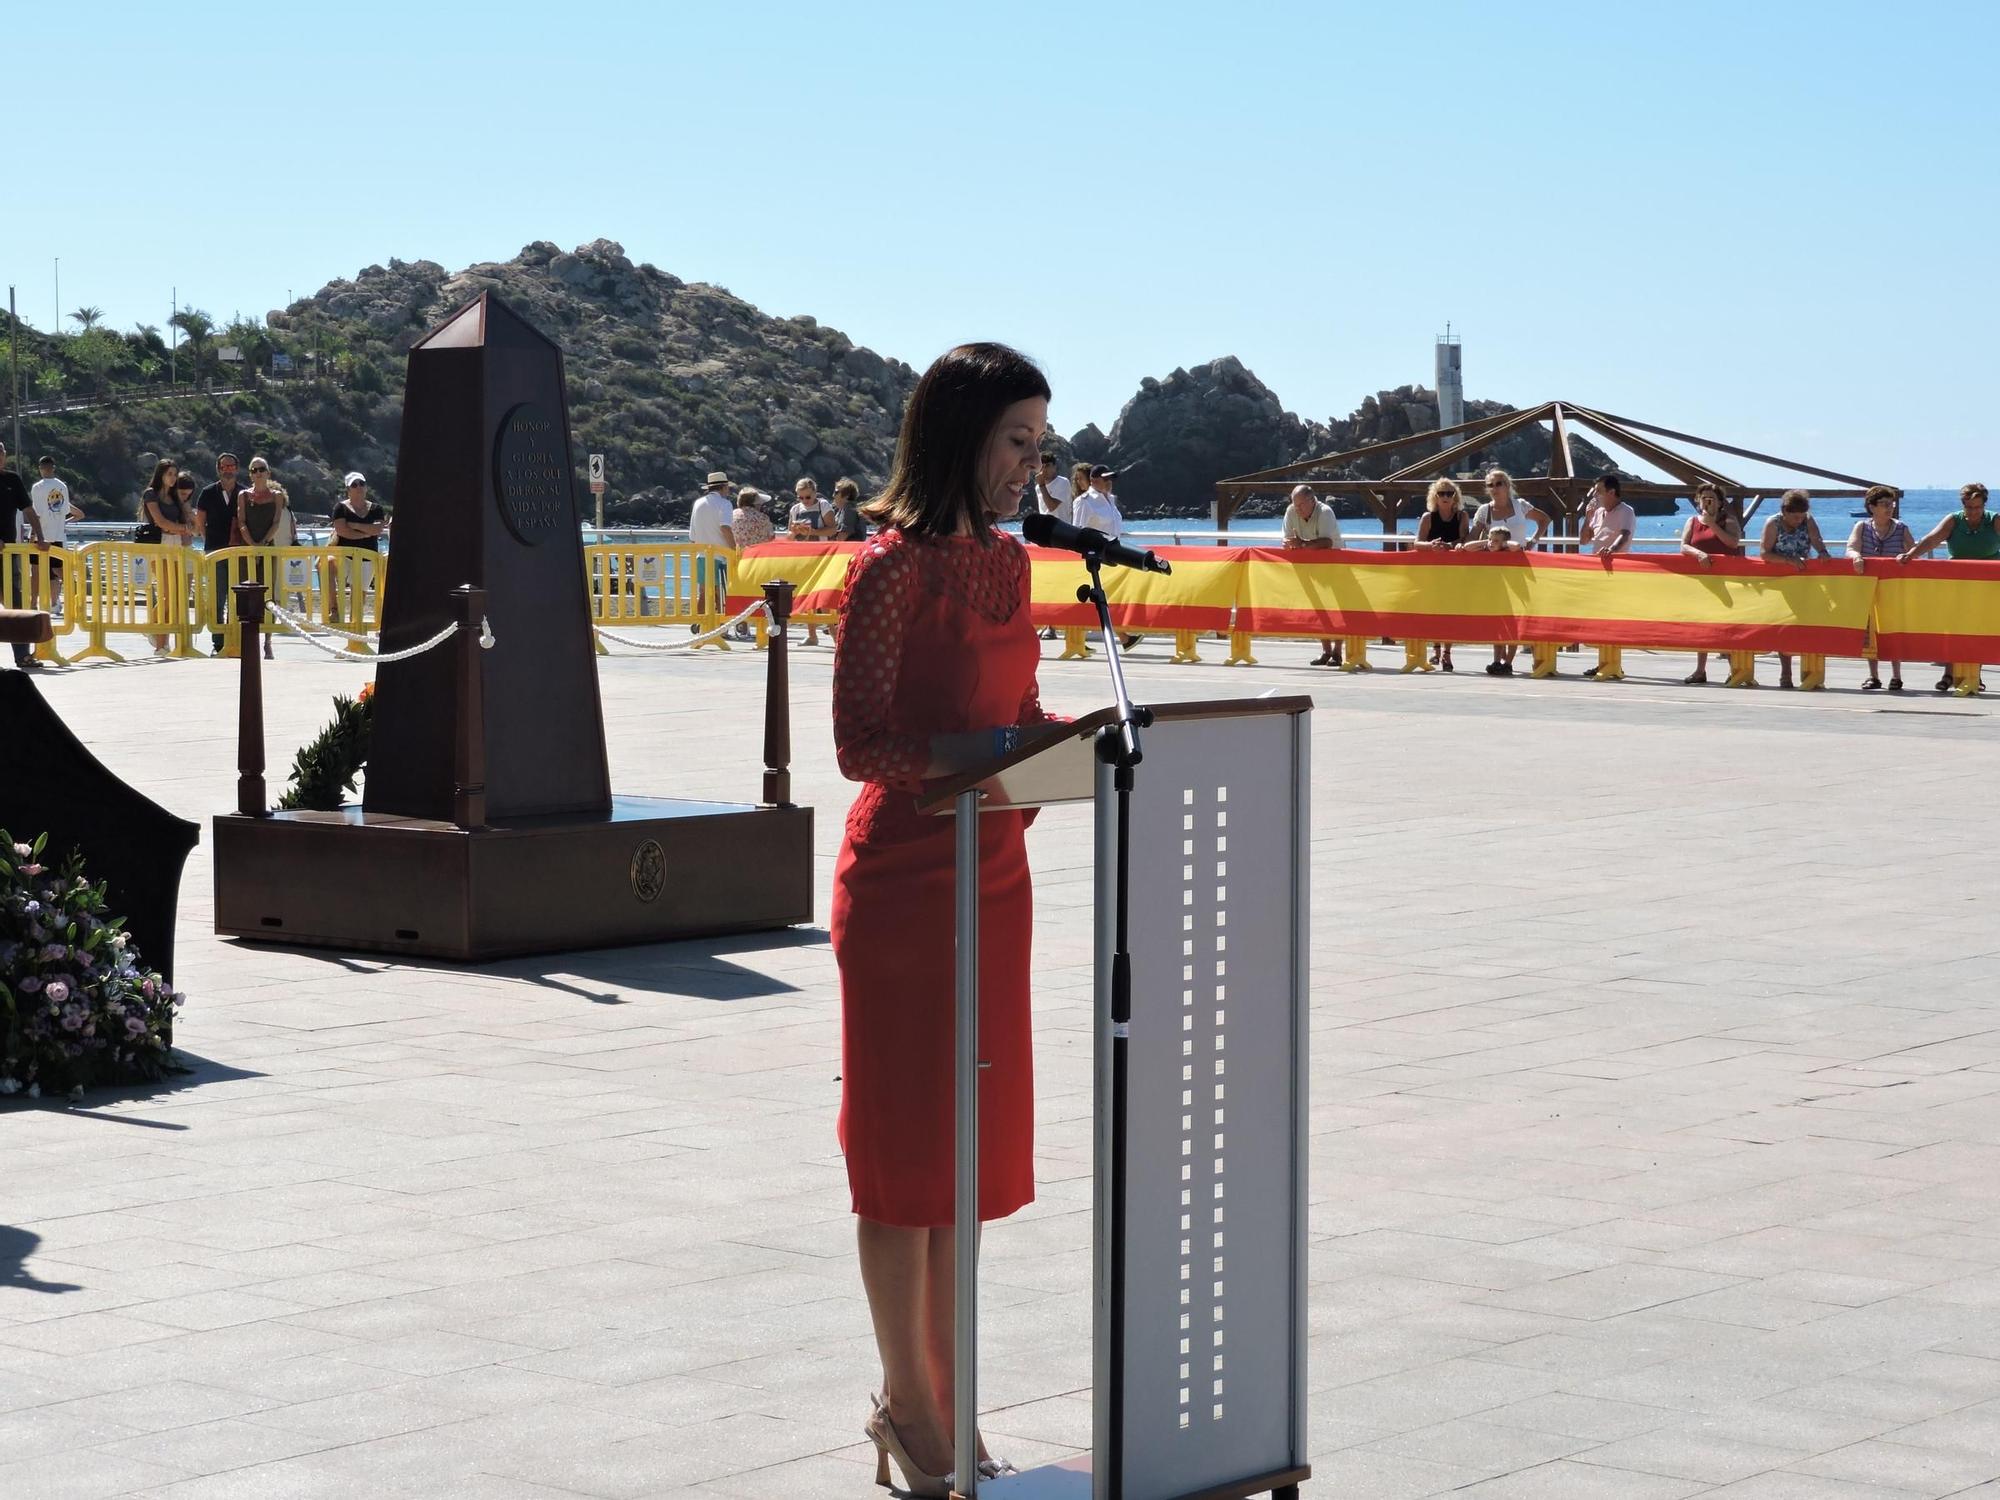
(817,572)
(1197,595)
(1937,611)
(1674,602)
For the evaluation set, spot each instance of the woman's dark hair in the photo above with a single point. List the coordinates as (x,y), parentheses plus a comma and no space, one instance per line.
(1880,492)
(160,473)
(1975,490)
(934,487)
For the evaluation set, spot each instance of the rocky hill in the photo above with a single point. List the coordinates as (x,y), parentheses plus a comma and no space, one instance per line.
(667,378)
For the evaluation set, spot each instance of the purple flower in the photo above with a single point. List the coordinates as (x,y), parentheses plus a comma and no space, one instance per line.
(54,953)
(32,869)
(29,984)
(133,1026)
(32,907)
(57,991)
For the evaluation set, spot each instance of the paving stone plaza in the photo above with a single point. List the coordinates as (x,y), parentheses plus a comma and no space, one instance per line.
(1655,1131)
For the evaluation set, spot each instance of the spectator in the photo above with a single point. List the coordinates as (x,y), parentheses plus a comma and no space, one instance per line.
(166,519)
(1097,508)
(1967,536)
(811,520)
(1506,523)
(55,508)
(1881,533)
(261,521)
(1711,532)
(217,506)
(849,524)
(1443,527)
(358,524)
(1057,497)
(749,526)
(151,531)
(709,526)
(15,501)
(1792,536)
(1608,522)
(1607,529)
(1310,523)
(1079,483)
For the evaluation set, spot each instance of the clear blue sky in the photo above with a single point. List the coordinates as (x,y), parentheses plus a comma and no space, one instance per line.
(1666,211)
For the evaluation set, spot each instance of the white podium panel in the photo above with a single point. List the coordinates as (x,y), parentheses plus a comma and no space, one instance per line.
(1205,1309)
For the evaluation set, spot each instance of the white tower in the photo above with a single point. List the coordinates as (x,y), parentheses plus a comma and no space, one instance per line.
(1450,382)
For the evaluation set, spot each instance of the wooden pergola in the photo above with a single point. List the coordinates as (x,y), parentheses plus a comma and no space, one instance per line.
(1562,490)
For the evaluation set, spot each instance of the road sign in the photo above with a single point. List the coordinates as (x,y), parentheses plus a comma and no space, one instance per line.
(597,473)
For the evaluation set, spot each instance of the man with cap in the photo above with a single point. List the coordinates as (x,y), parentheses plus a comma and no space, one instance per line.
(708,526)
(1097,507)
(55,507)
(14,501)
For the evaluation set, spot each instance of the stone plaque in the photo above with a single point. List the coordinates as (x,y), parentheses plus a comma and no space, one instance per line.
(529,479)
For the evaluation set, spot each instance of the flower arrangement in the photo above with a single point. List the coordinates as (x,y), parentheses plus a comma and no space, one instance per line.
(323,771)
(78,1005)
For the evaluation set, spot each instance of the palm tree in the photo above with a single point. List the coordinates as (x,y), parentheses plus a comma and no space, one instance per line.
(88,317)
(197,325)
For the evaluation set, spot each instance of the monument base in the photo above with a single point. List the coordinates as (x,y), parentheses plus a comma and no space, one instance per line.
(1071,1479)
(651,870)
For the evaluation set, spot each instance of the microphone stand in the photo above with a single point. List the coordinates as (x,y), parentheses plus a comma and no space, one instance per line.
(1118,748)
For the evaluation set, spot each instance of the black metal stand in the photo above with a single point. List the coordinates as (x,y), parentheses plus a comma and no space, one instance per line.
(1118,747)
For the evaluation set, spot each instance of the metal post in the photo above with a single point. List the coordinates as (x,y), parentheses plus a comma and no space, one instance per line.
(14,343)
(778,698)
(965,1217)
(1104,1161)
(250,701)
(468,761)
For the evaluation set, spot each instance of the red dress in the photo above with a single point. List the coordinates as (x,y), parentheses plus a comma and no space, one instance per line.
(934,639)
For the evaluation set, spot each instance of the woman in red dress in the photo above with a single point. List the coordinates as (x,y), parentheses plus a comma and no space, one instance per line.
(934,673)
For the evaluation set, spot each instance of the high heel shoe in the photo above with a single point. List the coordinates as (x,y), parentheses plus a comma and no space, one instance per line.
(889,1444)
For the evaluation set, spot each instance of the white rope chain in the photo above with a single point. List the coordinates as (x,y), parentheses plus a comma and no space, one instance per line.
(760,607)
(304,630)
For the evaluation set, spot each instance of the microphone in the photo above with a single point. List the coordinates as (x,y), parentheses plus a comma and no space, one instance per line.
(1044,530)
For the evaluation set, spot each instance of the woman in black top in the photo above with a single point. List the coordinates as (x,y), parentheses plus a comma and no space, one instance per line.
(1444,526)
(358,523)
(357,520)
(164,518)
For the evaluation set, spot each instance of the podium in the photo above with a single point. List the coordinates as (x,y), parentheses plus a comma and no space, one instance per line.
(1201,1047)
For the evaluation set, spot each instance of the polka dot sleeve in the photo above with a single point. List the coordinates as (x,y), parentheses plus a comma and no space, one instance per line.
(883,587)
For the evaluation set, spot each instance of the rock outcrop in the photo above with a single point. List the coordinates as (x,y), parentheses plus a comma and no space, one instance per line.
(1179,435)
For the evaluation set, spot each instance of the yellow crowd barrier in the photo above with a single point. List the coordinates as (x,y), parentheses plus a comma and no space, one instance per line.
(339,586)
(658,583)
(43,578)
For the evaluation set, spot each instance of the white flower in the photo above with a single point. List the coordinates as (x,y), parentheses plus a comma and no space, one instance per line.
(34,1091)
(10,1085)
